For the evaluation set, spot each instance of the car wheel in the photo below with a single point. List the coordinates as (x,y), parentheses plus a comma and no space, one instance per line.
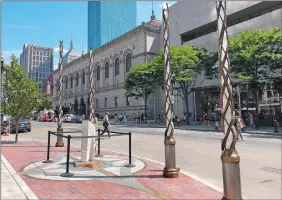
(29,130)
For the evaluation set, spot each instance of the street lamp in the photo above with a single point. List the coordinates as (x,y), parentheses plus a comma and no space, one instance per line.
(170,170)
(229,157)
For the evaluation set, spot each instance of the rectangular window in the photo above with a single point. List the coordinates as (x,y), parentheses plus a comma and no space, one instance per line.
(116,103)
(97,103)
(106,101)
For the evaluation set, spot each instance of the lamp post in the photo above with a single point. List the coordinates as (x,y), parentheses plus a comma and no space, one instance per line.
(170,170)
(60,142)
(229,157)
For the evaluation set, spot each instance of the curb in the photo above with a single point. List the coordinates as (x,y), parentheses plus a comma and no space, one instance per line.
(205,130)
(23,186)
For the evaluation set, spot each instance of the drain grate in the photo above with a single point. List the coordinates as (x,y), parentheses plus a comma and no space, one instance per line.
(271,169)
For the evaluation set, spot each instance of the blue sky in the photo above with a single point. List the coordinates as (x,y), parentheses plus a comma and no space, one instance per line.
(45,23)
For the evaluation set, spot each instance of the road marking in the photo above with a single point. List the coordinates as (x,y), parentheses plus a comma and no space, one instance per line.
(24,187)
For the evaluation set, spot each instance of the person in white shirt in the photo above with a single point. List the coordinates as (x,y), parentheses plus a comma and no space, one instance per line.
(106,124)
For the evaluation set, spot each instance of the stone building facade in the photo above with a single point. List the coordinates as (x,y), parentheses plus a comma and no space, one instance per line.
(111,63)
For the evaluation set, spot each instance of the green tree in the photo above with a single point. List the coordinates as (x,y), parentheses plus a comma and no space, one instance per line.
(44,103)
(253,58)
(188,63)
(22,93)
(142,80)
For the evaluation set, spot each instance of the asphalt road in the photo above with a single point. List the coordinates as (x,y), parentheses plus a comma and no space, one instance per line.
(197,153)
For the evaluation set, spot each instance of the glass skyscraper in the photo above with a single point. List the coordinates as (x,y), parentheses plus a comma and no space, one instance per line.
(108,20)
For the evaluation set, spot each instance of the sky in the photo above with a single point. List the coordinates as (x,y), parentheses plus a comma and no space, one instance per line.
(45,23)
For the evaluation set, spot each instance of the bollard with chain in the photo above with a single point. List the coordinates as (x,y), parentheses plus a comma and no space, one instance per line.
(129,165)
(48,150)
(68,174)
(99,144)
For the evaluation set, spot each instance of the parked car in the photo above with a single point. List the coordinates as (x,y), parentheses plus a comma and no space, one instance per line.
(24,125)
(68,117)
(76,119)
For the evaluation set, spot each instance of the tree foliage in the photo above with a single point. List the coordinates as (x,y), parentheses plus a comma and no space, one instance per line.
(44,103)
(188,63)
(142,80)
(22,92)
(255,57)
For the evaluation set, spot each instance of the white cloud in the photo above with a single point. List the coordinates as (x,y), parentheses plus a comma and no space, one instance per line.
(7,54)
(20,26)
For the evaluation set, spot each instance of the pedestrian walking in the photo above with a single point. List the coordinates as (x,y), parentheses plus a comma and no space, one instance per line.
(138,118)
(106,124)
(142,118)
(124,118)
(177,121)
(134,117)
(251,119)
(120,118)
(239,124)
(206,119)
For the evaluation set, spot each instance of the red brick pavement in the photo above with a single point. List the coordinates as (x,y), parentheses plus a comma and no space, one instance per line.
(21,154)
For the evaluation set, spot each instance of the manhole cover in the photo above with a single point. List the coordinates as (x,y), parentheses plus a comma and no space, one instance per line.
(271,169)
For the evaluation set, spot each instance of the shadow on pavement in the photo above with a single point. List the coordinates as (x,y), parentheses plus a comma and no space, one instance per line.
(116,177)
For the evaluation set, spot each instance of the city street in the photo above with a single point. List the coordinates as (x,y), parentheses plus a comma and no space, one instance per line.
(197,153)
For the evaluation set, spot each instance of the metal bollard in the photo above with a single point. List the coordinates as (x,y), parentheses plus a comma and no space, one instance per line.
(48,150)
(99,144)
(129,165)
(276,126)
(68,174)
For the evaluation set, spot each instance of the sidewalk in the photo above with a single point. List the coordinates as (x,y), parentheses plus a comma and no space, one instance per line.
(12,186)
(198,127)
(110,180)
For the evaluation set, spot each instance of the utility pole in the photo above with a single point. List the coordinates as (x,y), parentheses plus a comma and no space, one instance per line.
(229,157)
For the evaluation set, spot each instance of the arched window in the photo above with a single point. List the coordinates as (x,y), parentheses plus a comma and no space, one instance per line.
(98,73)
(107,70)
(66,82)
(76,79)
(116,66)
(83,77)
(71,81)
(128,62)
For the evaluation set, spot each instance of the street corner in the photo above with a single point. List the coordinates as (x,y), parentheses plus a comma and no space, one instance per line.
(142,181)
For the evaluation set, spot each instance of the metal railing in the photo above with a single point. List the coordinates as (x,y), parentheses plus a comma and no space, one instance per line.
(99,136)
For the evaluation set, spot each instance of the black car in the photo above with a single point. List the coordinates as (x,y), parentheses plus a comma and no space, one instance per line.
(24,125)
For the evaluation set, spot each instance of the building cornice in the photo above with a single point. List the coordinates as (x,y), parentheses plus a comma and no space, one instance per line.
(140,28)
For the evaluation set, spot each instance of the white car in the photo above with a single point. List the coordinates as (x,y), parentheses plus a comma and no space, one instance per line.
(67,118)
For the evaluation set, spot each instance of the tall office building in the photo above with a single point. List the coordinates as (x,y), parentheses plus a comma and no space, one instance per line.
(108,20)
(37,62)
